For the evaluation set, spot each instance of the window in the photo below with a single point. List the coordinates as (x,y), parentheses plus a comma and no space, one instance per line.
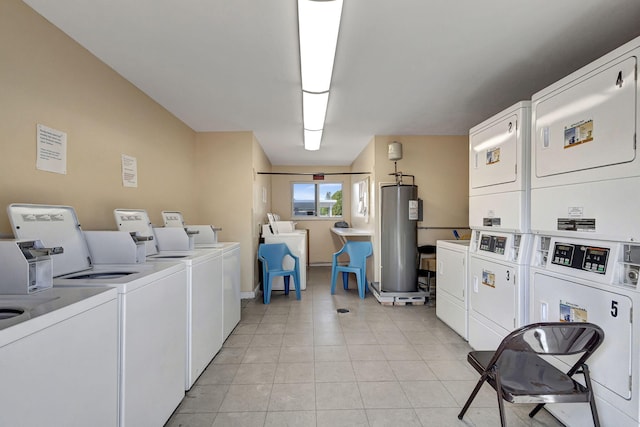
(317,200)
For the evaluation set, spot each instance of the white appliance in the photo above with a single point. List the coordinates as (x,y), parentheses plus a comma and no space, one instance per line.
(498,286)
(204,289)
(499,171)
(585,166)
(203,235)
(151,306)
(206,236)
(452,292)
(231,307)
(584,180)
(499,217)
(59,351)
(579,280)
(296,240)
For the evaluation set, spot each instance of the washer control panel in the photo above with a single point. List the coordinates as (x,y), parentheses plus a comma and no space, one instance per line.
(494,244)
(581,257)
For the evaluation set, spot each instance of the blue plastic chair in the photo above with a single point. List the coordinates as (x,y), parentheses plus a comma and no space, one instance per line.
(272,256)
(358,253)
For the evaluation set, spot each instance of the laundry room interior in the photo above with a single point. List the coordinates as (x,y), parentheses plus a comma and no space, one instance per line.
(204,224)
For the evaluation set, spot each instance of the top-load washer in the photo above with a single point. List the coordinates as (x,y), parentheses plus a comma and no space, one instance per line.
(579,280)
(585,166)
(452,292)
(499,218)
(58,346)
(204,288)
(151,307)
(206,236)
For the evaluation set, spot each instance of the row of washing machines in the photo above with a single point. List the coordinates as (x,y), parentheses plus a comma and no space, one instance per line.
(556,236)
(109,327)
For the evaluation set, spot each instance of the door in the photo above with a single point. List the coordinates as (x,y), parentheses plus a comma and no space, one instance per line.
(493,292)
(555,299)
(493,154)
(587,124)
(452,273)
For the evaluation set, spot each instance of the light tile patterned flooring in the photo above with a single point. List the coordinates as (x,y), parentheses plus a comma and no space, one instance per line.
(300,363)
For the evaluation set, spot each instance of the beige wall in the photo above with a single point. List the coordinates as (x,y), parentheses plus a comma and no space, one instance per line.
(261,199)
(322,243)
(225,175)
(46,78)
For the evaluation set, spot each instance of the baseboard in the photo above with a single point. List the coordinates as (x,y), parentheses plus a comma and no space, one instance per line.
(250,295)
(320,264)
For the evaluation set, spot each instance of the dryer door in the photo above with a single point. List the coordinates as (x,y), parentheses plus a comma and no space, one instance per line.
(588,123)
(556,299)
(493,154)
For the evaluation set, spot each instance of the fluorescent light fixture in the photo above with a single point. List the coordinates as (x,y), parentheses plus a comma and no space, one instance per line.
(312,139)
(318,27)
(318,23)
(314,109)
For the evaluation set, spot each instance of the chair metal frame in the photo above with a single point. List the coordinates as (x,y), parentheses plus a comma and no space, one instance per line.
(272,256)
(358,252)
(520,375)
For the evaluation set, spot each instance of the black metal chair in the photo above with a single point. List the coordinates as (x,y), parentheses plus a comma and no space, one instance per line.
(519,375)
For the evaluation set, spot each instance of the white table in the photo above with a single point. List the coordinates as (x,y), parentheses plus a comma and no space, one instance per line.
(346,233)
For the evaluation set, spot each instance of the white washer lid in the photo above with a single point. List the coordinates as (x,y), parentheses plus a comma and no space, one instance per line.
(54,226)
(173,219)
(137,220)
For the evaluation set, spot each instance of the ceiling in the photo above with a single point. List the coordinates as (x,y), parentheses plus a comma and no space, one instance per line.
(403,67)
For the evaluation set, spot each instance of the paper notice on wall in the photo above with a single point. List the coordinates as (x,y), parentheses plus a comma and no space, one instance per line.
(51,150)
(129,171)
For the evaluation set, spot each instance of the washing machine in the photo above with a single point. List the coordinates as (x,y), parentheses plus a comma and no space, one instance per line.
(58,346)
(499,171)
(206,236)
(452,302)
(498,286)
(204,289)
(580,280)
(296,240)
(151,305)
(585,166)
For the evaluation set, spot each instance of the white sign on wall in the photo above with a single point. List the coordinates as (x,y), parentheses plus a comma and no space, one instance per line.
(51,150)
(129,171)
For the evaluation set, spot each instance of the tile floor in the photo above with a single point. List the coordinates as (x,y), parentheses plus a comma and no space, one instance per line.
(300,363)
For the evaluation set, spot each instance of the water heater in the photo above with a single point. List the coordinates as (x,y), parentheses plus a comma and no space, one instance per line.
(399,217)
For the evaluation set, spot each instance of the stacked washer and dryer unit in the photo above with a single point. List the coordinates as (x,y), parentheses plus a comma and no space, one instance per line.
(499,219)
(585,260)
